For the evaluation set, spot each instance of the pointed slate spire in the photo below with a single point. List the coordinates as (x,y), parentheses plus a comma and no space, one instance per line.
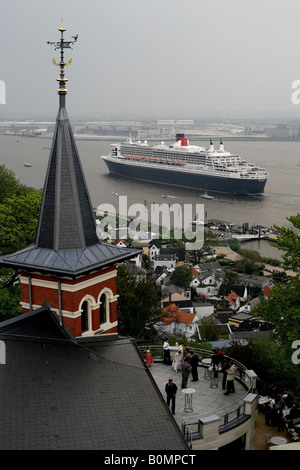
(66,242)
(66,218)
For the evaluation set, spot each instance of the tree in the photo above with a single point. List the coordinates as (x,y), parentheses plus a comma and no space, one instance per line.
(289,241)
(137,304)
(10,299)
(282,310)
(9,184)
(208,330)
(19,210)
(18,220)
(182,276)
(251,261)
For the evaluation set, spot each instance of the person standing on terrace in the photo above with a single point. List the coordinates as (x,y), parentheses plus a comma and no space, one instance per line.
(149,357)
(230,378)
(166,350)
(171,390)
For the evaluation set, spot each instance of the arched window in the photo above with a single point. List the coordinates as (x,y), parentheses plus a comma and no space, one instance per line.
(84,316)
(103,309)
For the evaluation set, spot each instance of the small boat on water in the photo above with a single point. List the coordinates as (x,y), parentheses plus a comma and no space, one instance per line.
(28,164)
(206,196)
(198,221)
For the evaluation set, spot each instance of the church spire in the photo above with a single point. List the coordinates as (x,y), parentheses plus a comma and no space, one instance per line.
(66,218)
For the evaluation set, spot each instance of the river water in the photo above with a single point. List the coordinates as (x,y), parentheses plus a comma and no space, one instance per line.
(280,200)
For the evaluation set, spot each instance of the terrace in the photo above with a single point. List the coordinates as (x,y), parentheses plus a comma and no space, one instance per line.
(227,417)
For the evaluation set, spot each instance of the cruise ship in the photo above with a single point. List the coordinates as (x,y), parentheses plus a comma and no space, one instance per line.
(184,165)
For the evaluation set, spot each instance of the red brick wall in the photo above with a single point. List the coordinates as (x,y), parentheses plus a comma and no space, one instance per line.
(70,301)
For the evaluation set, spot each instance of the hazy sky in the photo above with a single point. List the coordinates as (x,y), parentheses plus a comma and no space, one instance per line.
(156,58)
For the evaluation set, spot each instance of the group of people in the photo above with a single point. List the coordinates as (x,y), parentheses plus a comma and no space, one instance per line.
(228,368)
(274,408)
(186,361)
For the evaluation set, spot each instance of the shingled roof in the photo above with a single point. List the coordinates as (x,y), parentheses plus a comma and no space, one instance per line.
(73,262)
(58,393)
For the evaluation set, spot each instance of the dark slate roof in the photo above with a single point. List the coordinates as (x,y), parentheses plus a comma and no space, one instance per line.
(66,218)
(61,394)
(209,266)
(41,323)
(180,303)
(241,316)
(70,262)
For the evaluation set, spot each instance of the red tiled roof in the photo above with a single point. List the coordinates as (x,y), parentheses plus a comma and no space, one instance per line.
(172,313)
(232,297)
(119,240)
(268,289)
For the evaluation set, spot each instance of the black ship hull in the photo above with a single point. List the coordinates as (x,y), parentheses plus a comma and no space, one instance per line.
(183,178)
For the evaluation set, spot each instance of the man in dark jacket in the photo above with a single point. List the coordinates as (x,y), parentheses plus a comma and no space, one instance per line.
(185,372)
(194,365)
(171,390)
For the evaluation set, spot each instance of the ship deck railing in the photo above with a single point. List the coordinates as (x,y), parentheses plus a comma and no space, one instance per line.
(188,167)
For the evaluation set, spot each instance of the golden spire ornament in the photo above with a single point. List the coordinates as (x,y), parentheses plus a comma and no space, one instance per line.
(62,44)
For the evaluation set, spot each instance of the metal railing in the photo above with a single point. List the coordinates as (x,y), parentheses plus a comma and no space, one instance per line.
(229,415)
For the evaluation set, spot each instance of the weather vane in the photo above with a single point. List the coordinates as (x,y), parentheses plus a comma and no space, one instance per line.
(62,44)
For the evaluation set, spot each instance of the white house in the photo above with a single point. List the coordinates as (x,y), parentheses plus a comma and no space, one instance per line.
(166,261)
(174,322)
(204,310)
(207,283)
(154,249)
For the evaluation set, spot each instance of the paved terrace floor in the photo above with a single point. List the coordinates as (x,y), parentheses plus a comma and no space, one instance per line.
(205,400)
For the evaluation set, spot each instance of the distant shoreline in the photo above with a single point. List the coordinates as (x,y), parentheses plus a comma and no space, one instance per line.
(192,137)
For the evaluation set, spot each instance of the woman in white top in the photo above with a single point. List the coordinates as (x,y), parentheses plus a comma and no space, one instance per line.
(177,361)
(181,348)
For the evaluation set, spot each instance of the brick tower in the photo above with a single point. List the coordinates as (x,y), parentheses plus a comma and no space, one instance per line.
(67,265)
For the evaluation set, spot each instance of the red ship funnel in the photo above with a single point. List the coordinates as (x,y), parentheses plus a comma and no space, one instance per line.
(184,141)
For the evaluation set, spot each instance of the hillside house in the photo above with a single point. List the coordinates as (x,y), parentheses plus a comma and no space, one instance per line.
(174,322)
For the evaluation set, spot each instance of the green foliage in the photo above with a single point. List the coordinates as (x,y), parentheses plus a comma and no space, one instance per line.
(282,310)
(137,304)
(272,261)
(274,365)
(18,220)
(10,299)
(182,276)
(9,184)
(271,363)
(244,354)
(234,244)
(289,241)
(251,261)
(208,330)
